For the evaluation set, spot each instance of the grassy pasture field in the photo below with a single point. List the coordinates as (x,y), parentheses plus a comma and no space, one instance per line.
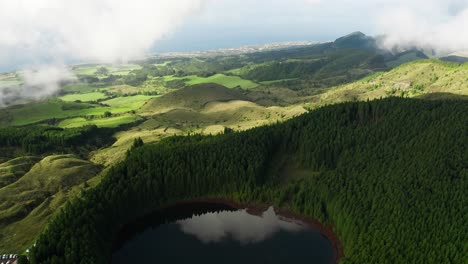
(83,97)
(78,88)
(41,111)
(152,86)
(69,109)
(99,122)
(131,102)
(91,70)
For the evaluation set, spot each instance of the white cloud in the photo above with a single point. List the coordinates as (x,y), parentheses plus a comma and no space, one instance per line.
(43,81)
(314,2)
(240,226)
(38,83)
(97,30)
(54,31)
(434,24)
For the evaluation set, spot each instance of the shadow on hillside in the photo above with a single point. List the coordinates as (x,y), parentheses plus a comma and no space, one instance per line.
(446,96)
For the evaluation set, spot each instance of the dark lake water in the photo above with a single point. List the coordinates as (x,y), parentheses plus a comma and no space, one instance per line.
(213,233)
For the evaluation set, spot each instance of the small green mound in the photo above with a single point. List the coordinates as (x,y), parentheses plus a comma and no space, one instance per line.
(406,57)
(131,102)
(221,79)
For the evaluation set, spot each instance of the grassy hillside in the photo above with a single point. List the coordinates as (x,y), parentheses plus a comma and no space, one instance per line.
(52,109)
(320,70)
(28,203)
(406,57)
(130,102)
(99,122)
(12,170)
(84,97)
(415,79)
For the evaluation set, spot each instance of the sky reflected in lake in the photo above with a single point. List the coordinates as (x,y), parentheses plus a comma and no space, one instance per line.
(238,225)
(222,236)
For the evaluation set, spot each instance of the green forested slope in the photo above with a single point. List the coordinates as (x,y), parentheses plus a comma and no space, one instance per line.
(15,141)
(389,175)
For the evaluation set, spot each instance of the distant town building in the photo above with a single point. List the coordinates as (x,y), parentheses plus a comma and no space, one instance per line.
(8,259)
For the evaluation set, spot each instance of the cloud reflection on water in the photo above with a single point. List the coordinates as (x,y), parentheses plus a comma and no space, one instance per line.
(238,225)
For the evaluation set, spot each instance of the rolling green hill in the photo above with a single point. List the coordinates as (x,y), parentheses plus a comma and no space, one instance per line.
(316,70)
(405,57)
(355,40)
(12,170)
(221,79)
(425,78)
(192,97)
(458,57)
(203,108)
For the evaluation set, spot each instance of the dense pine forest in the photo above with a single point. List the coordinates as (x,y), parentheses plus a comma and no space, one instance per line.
(42,139)
(389,175)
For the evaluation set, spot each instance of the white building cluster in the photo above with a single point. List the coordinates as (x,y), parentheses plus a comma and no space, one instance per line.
(8,259)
